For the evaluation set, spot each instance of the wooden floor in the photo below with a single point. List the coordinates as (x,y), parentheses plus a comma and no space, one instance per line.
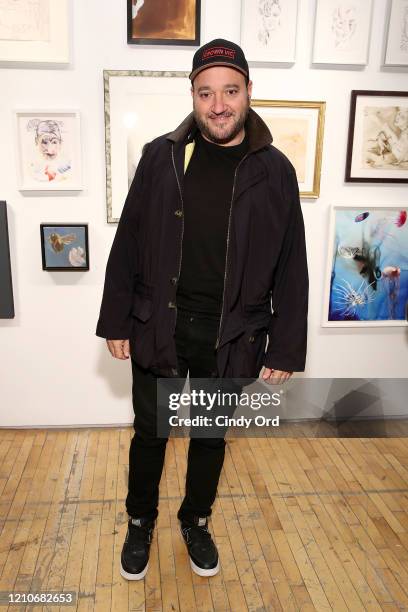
(300,524)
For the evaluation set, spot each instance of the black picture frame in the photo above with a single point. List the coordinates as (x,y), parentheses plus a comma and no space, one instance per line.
(58,246)
(191,42)
(352,178)
(6,283)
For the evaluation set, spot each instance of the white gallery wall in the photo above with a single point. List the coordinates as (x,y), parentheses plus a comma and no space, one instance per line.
(53,369)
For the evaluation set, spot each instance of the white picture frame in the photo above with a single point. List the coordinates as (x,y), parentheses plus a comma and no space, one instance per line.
(48,146)
(396,34)
(342,32)
(269,29)
(139,106)
(297,128)
(34,32)
(366,280)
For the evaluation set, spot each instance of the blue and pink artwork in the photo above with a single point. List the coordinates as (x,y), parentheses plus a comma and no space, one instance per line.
(369,266)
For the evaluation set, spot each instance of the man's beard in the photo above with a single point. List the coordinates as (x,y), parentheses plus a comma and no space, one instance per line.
(234,130)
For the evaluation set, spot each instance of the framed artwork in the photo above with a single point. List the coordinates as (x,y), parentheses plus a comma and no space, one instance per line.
(367,267)
(34,31)
(155,22)
(139,106)
(342,32)
(297,129)
(377,149)
(64,246)
(6,285)
(396,34)
(49,150)
(268,30)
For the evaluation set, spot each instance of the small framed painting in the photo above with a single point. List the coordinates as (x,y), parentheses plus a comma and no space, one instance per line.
(377,149)
(6,285)
(155,22)
(396,34)
(34,32)
(49,150)
(297,130)
(342,32)
(268,30)
(367,267)
(134,115)
(64,246)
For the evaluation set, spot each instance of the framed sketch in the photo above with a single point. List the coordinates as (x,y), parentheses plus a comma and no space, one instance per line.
(64,246)
(34,31)
(139,106)
(396,34)
(49,150)
(297,129)
(268,30)
(377,149)
(342,32)
(155,22)
(6,285)
(367,267)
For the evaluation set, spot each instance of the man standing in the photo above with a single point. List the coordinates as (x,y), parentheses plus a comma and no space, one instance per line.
(210,235)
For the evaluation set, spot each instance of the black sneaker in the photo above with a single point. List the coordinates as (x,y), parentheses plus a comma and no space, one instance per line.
(134,559)
(201,548)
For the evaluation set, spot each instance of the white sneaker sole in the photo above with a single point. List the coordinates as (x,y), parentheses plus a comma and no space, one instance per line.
(205,572)
(128,576)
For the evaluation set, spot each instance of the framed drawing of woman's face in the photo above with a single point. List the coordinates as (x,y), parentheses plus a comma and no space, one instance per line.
(49,150)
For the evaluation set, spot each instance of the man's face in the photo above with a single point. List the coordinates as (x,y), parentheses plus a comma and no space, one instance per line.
(221,102)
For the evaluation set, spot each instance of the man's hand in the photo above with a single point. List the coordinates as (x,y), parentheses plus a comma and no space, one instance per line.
(119,348)
(275,377)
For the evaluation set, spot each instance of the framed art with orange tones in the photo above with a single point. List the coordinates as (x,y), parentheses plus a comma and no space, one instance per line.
(158,22)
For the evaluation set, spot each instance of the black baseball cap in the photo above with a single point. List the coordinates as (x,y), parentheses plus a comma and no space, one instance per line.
(219,52)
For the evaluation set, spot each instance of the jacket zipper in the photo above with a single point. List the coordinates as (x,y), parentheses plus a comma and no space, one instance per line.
(182,221)
(226,254)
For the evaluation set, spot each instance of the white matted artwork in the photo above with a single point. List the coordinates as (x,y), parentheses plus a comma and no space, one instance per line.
(49,150)
(367,267)
(268,30)
(342,32)
(139,106)
(297,130)
(34,31)
(396,38)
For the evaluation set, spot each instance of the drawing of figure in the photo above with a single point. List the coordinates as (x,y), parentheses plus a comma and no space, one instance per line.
(404,32)
(390,145)
(48,162)
(344,24)
(270,11)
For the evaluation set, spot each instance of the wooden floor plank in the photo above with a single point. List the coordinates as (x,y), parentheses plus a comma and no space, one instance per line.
(300,523)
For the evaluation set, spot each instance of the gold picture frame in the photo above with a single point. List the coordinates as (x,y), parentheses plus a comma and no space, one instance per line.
(303,142)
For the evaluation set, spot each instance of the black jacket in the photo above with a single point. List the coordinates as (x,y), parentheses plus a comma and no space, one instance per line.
(265,263)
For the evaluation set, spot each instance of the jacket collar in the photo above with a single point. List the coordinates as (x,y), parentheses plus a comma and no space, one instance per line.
(258,132)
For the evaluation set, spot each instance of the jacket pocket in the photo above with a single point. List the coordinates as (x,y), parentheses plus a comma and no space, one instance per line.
(247,352)
(142,341)
(142,307)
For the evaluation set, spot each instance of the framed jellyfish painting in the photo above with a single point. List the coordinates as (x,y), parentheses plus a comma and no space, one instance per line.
(367,267)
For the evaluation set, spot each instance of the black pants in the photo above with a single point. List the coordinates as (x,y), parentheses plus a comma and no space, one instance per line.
(195,342)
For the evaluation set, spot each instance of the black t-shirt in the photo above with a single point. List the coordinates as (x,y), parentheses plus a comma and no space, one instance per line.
(207,198)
